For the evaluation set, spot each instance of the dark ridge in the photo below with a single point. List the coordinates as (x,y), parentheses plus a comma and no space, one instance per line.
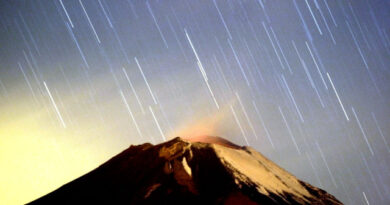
(212,140)
(179,171)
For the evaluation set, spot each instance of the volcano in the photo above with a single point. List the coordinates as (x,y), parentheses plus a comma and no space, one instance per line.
(200,170)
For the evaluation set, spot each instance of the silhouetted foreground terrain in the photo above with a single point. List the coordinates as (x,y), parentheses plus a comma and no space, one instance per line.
(202,170)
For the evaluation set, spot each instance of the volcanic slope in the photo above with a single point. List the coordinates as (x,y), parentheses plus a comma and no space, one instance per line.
(200,170)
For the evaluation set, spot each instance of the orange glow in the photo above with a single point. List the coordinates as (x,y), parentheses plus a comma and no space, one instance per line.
(208,125)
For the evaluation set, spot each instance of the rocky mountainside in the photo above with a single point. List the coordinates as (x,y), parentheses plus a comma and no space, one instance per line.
(202,170)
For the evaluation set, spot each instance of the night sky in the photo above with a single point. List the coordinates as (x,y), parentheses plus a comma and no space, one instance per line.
(305,82)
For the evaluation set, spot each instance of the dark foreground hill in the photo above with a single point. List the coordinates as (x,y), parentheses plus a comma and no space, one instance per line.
(203,170)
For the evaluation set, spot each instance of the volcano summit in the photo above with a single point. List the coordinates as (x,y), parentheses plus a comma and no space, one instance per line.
(201,170)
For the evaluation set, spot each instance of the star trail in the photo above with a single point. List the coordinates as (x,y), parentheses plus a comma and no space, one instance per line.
(305,82)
